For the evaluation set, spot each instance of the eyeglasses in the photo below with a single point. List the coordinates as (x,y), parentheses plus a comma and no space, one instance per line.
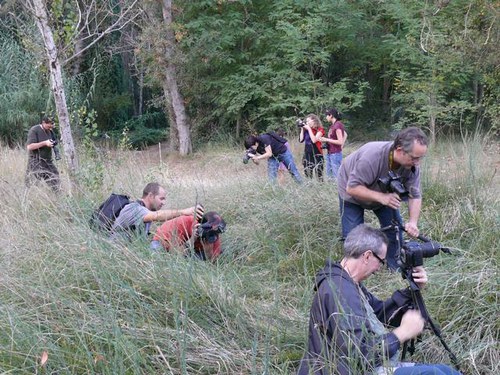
(414,158)
(382,261)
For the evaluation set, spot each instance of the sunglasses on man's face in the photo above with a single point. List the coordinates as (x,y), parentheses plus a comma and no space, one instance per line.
(382,261)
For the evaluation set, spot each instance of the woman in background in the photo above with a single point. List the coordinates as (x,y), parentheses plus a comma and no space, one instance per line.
(335,142)
(310,134)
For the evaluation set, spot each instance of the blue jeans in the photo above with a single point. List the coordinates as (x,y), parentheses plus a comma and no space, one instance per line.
(424,369)
(352,215)
(286,158)
(333,162)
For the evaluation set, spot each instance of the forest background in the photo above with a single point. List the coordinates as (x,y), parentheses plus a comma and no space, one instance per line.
(121,75)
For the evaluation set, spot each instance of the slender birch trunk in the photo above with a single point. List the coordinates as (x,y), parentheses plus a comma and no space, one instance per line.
(177,101)
(57,85)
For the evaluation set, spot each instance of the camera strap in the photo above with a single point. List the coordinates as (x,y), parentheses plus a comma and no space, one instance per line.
(391,160)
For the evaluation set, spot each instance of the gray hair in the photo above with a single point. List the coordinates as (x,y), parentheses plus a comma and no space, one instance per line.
(364,238)
(406,138)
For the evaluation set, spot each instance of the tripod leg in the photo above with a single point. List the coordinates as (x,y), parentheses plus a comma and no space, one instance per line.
(419,302)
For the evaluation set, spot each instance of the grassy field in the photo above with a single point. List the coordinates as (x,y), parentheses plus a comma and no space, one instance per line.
(71,302)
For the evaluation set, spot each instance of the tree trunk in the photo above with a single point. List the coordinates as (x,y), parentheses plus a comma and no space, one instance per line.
(175,97)
(238,128)
(173,133)
(386,92)
(140,90)
(57,86)
(432,117)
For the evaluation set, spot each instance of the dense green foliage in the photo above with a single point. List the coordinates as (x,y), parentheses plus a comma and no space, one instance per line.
(246,66)
(23,92)
(97,307)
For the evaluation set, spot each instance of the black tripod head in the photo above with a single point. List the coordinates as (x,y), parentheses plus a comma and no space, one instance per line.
(412,253)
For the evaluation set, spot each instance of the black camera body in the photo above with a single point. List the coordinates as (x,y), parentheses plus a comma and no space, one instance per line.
(57,154)
(300,123)
(392,183)
(247,156)
(413,252)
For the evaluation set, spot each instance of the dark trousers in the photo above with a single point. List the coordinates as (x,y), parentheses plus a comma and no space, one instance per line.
(43,170)
(312,162)
(352,215)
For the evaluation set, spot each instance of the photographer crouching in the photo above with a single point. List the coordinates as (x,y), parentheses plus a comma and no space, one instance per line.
(272,147)
(378,177)
(347,324)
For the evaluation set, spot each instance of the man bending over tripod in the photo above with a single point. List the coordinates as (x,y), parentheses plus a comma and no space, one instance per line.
(377,177)
(347,333)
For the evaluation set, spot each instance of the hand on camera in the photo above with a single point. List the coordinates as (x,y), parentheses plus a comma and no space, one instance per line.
(199,211)
(419,275)
(253,156)
(195,210)
(411,229)
(391,200)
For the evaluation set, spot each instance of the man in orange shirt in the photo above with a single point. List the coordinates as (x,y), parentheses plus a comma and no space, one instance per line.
(186,234)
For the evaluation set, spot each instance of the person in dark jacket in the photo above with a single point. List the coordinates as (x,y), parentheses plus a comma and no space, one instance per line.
(347,325)
(272,147)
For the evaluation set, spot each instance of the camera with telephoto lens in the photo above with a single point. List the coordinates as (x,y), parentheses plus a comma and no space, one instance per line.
(392,184)
(300,123)
(414,252)
(209,231)
(247,156)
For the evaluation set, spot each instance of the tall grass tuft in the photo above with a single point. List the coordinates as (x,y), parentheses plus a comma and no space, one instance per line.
(94,306)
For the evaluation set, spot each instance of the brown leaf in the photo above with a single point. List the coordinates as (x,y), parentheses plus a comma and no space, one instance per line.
(99,358)
(44,358)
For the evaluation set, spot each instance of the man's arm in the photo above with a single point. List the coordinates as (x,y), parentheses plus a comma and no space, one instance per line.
(265,155)
(414,206)
(362,193)
(37,145)
(164,215)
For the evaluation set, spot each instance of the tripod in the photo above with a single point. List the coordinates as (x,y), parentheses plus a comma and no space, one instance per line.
(418,301)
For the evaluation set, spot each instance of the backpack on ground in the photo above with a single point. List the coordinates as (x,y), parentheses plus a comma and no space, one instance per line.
(104,217)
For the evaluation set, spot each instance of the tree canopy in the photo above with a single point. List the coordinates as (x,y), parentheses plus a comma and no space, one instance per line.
(246,66)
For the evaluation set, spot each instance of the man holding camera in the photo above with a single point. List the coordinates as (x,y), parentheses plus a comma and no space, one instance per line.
(186,234)
(272,147)
(347,324)
(377,177)
(41,141)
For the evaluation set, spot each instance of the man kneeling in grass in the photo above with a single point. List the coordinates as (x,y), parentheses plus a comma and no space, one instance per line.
(186,234)
(347,325)
(136,217)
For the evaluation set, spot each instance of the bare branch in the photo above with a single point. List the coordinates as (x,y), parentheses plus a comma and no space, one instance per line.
(95,36)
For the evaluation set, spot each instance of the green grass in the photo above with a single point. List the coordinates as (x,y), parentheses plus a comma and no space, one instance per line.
(99,307)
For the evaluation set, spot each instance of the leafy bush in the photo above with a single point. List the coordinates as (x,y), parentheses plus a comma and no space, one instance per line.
(145,130)
(23,93)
